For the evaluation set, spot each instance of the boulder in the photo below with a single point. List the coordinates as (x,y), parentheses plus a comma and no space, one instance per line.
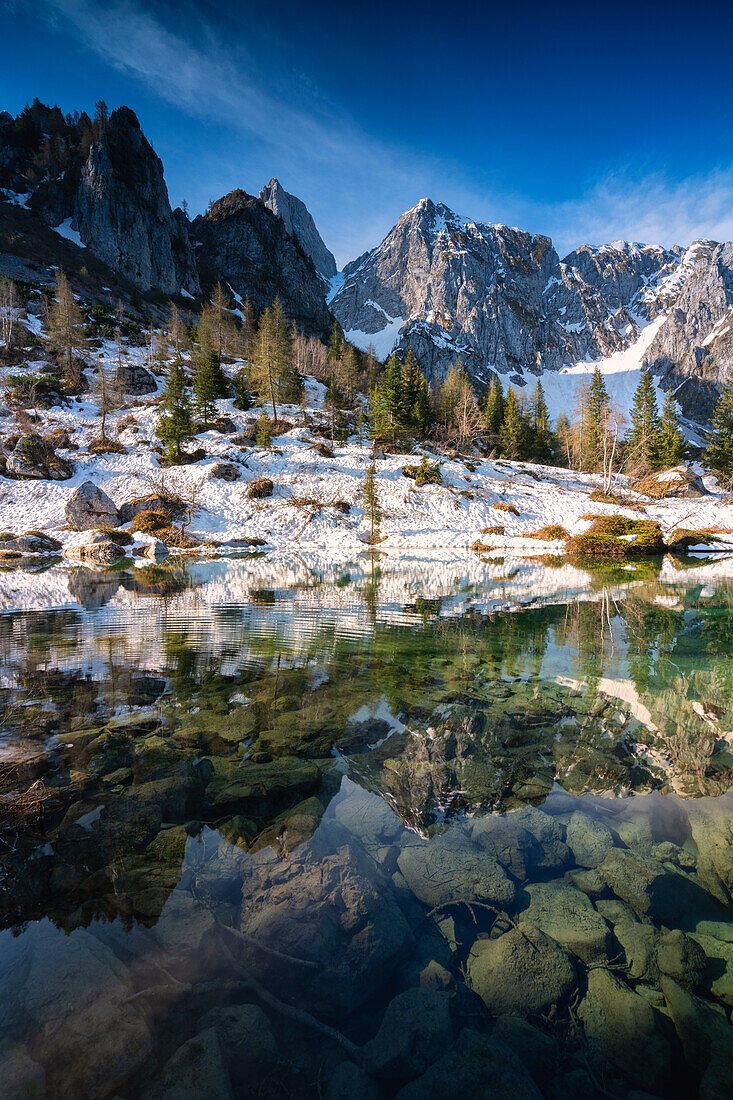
(415,1031)
(478,1067)
(197,1069)
(246,1038)
(171,509)
(653,890)
(156,550)
(702,1028)
(590,841)
(35,459)
(450,869)
(678,482)
(135,379)
(711,822)
(348,1082)
(21,1077)
(536,1051)
(639,942)
(90,508)
(566,914)
(336,911)
(717,977)
(97,551)
(260,488)
(680,957)
(225,471)
(31,543)
(523,971)
(622,1028)
(85,1033)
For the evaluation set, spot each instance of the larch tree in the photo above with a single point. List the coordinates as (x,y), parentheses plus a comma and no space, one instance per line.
(65,325)
(8,305)
(106,392)
(206,387)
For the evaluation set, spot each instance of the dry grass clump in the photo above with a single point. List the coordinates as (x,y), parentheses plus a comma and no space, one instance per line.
(507,508)
(552,532)
(100,446)
(150,523)
(498,530)
(260,488)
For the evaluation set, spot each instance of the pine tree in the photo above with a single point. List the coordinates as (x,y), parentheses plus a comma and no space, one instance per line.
(595,418)
(393,397)
(494,407)
(672,445)
(513,429)
(410,387)
(335,352)
(645,426)
(174,422)
(540,420)
(423,407)
(370,497)
(65,327)
(380,420)
(206,387)
(719,451)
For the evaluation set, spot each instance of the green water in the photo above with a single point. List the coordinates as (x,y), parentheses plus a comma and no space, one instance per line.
(366,830)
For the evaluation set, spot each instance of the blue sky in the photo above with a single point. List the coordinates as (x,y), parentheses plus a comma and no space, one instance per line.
(586,122)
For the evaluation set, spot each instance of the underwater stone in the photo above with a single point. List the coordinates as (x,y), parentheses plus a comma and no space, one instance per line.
(522,971)
(681,958)
(624,1029)
(415,1031)
(537,1051)
(566,914)
(717,978)
(447,870)
(246,1038)
(589,840)
(196,1069)
(476,1068)
(351,1083)
(639,942)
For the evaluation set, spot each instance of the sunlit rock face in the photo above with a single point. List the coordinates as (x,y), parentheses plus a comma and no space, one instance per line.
(297,219)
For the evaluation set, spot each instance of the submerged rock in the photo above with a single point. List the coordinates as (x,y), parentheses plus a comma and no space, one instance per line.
(589,840)
(624,1029)
(348,1082)
(197,1069)
(449,869)
(567,915)
(246,1039)
(523,971)
(477,1068)
(415,1031)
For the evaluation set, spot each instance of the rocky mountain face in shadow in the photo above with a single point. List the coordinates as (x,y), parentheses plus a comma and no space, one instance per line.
(241,242)
(101,184)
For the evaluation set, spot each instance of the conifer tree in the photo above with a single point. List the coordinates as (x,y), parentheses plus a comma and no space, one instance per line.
(645,425)
(423,407)
(494,407)
(410,386)
(217,334)
(206,387)
(380,421)
(370,497)
(719,451)
(174,421)
(595,418)
(66,329)
(671,445)
(271,366)
(107,395)
(540,419)
(513,430)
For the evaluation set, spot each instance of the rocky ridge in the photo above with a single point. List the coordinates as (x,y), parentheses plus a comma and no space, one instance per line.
(299,223)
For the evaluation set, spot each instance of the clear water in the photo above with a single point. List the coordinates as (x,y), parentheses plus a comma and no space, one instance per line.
(374,829)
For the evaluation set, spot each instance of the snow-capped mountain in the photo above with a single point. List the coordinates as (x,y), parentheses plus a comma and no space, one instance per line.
(502,301)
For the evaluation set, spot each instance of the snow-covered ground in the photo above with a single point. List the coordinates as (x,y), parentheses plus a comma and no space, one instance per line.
(304,512)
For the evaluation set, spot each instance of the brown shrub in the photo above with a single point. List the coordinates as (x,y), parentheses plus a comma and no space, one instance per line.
(552,532)
(260,487)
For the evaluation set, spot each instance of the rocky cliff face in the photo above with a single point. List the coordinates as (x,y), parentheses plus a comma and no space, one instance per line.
(242,243)
(121,210)
(296,218)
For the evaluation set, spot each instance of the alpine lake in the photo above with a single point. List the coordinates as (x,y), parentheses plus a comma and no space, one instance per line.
(367,829)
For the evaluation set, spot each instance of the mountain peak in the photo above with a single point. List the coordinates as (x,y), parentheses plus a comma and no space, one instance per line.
(299,223)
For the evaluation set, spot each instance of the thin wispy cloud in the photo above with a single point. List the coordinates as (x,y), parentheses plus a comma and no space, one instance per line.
(355,184)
